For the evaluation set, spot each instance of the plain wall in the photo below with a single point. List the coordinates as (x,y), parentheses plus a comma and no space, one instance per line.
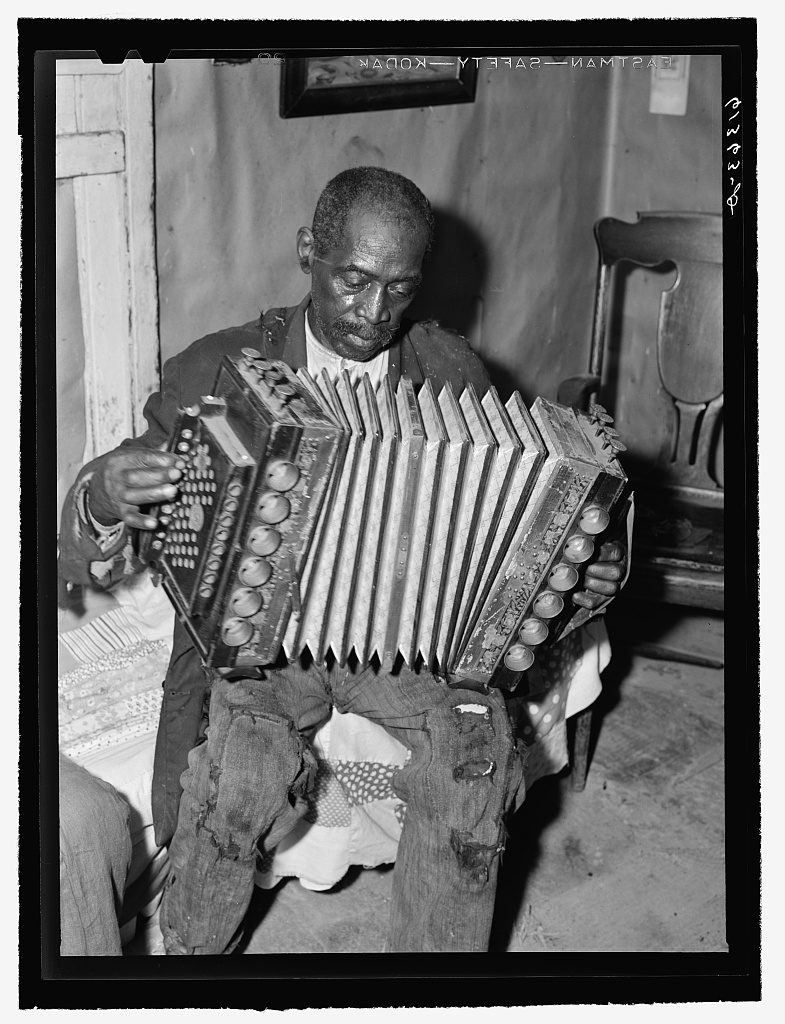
(518,179)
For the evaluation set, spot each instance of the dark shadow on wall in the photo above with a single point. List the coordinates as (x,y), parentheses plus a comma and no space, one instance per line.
(454,276)
(453,288)
(505,382)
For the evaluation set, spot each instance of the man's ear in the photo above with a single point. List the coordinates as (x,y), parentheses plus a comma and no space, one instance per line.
(306,248)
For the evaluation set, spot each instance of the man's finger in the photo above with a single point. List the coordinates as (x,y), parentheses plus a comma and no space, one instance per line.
(145,458)
(139,521)
(605,571)
(611,551)
(148,495)
(587,600)
(151,477)
(606,587)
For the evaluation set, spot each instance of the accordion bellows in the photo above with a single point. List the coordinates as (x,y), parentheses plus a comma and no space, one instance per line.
(447,530)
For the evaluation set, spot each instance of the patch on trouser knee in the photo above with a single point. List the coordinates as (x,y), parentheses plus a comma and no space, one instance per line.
(470,770)
(474,721)
(473,857)
(260,762)
(261,768)
(470,717)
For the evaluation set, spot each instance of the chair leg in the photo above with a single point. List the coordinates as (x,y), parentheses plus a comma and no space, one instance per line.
(580,751)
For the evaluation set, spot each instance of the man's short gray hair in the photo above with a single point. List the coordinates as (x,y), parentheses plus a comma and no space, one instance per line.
(369,188)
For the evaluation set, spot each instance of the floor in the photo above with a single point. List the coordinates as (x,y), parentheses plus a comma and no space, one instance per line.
(634,862)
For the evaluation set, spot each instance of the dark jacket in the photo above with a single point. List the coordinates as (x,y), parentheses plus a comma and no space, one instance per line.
(421,350)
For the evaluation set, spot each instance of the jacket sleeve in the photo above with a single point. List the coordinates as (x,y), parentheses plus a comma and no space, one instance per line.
(185,378)
(82,556)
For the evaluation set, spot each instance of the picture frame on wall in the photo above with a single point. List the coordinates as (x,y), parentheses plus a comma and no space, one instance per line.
(342,84)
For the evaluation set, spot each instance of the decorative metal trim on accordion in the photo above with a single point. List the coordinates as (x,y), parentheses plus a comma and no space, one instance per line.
(447,530)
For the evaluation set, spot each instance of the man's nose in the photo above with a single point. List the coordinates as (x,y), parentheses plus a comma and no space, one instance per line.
(373,306)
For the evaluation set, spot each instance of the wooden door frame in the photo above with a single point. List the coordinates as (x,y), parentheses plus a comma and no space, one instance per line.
(112,168)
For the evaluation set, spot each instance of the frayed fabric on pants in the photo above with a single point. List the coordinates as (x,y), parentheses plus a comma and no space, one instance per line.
(95,855)
(245,787)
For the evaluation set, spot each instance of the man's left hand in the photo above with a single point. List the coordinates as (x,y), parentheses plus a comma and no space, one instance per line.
(603,577)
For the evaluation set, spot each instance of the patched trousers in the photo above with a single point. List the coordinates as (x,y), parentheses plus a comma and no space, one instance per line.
(246,785)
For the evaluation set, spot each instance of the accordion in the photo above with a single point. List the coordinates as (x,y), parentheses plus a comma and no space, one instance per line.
(321,516)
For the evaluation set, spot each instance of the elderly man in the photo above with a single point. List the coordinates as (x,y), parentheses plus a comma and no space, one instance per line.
(245,784)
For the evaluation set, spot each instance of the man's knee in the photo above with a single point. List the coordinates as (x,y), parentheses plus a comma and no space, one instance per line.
(465,773)
(253,769)
(246,784)
(473,770)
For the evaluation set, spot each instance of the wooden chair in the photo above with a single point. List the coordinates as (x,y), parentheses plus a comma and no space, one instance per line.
(678,545)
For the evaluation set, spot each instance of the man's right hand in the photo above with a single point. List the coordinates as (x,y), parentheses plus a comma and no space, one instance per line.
(129,478)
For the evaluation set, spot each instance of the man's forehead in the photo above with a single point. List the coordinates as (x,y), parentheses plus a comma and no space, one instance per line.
(366,230)
(361,222)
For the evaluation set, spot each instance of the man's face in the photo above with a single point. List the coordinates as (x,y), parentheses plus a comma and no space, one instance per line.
(361,288)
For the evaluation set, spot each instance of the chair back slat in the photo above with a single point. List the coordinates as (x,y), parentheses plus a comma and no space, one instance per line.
(689,331)
(658,237)
(689,343)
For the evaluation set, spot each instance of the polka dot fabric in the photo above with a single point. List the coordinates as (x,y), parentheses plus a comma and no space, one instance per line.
(539,711)
(541,706)
(353,815)
(365,781)
(327,802)
(400,812)
(341,785)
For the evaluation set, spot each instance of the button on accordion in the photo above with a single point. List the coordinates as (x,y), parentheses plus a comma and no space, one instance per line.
(447,530)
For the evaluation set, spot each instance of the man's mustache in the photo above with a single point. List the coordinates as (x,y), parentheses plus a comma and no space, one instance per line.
(368,332)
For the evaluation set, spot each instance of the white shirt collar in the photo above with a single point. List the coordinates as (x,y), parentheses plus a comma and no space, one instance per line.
(319,358)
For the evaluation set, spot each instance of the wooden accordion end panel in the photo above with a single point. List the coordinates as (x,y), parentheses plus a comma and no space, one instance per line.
(445,530)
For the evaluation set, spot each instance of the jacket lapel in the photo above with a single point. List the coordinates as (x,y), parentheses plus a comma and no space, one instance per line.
(394,361)
(293,351)
(408,362)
